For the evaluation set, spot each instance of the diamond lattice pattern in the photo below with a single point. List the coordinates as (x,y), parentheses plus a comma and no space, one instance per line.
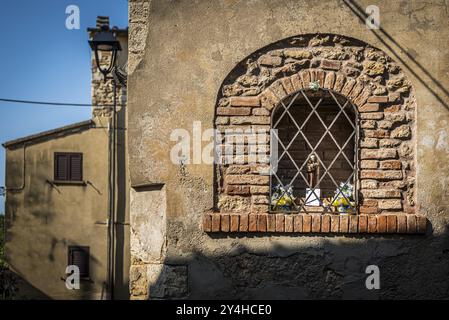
(322,124)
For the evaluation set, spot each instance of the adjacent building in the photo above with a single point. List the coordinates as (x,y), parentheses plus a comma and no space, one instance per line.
(58,201)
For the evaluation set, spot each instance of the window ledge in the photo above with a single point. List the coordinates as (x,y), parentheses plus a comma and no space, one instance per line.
(70,183)
(400,223)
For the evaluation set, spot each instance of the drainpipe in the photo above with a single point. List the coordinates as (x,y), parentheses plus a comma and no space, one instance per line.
(112,190)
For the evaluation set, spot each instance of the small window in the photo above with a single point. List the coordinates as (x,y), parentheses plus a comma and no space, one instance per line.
(316,170)
(79,256)
(68,166)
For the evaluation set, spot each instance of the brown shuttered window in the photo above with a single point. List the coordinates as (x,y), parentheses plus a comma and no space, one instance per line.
(79,256)
(68,166)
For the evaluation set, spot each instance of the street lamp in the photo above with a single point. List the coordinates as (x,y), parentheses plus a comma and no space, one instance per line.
(106,41)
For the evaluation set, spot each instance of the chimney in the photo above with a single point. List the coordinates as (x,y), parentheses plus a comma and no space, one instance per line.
(102,21)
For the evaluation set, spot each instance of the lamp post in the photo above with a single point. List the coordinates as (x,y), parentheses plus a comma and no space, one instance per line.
(106,41)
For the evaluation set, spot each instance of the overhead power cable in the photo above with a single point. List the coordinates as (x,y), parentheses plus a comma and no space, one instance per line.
(55,103)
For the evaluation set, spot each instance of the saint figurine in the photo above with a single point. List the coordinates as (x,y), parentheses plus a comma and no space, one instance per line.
(313,171)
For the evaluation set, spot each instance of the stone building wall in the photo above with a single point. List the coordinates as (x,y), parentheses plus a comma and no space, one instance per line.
(223,77)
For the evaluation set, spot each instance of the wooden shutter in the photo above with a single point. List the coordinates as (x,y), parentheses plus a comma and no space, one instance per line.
(76,167)
(79,256)
(68,166)
(61,166)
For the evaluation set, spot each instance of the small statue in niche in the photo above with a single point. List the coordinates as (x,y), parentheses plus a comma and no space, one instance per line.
(313,171)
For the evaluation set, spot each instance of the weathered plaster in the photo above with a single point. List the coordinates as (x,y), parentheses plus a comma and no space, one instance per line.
(190,49)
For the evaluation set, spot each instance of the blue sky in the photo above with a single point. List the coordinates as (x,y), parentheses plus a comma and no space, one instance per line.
(42,60)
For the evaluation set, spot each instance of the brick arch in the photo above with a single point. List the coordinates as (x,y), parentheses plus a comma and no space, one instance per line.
(366,76)
(358,92)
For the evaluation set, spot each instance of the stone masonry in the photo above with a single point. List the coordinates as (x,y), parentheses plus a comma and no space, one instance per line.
(367,77)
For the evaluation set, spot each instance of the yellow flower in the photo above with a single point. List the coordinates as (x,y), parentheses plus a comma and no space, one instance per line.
(341,202)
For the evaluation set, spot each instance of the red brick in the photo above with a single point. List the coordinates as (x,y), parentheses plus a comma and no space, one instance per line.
(216,222)
(391,165)
(335,223)
(280,227)
(245,101)
(356,91)
(225,222)
(378,153)
(378,99)
(381,194)
(391,224)
(247,179)
(262,222)
(296,82)
(381,175)
(421,223)
(316,223)
(252,222)
(329,80)
(402,223)
(379,133)
(381,223)
(325,223)
(344,223)
(363,97)
(287,84)
(368,210)
(372,224)
(411,224)
(243,225)
(237,190)
(305,76)
(369,107)
(234,223)
(207,223)
(261,112)
(348,86)
(233,111)
(372,116)
(369,202)
(319,76)
(330,64)
(363,224)
(271,223)
(306,223)
(297,221)
(288,223)
(353,223)
(339,82)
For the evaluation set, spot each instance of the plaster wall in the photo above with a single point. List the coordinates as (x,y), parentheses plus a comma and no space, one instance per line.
(181,51)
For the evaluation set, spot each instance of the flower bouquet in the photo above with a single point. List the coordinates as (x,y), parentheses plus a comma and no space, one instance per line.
(343,200)
(282,198)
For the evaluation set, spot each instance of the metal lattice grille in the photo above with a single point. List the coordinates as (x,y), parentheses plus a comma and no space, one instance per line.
(323,124)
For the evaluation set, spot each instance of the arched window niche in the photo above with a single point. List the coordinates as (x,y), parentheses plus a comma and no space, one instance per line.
(315,165)
(341,116)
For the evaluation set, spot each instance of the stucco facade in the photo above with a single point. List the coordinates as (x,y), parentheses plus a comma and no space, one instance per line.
(181,57)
